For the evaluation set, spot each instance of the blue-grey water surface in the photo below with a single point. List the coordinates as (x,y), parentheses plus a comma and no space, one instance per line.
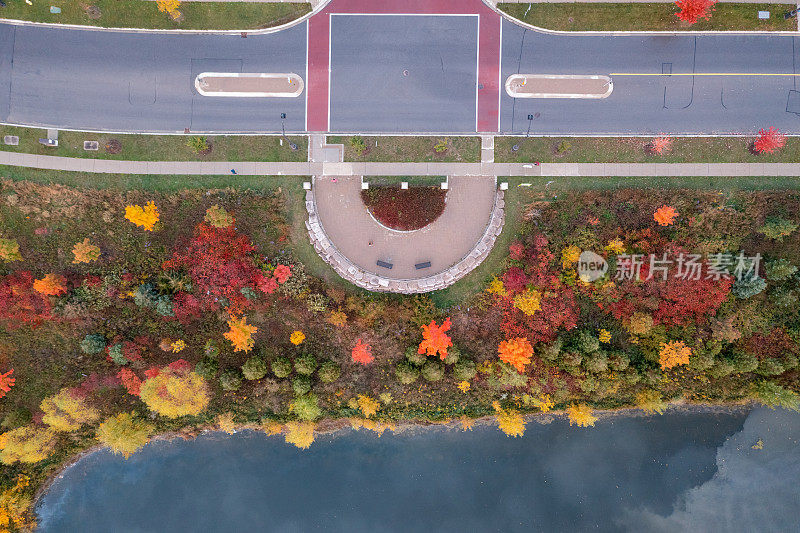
(675,472)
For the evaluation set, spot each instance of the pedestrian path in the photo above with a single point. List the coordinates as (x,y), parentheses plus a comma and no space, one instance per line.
(320,168)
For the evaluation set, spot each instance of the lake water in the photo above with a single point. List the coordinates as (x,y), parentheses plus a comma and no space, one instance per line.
(676,472)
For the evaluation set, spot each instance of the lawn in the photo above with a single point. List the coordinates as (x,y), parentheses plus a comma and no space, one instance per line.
(160,147)
(402,149)
(634,150)
(145,14)
(647,17)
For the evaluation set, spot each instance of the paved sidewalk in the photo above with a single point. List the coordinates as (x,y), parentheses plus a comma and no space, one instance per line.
(493,2)
(111,166)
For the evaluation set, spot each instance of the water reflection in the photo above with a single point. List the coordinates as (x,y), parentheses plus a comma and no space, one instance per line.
(675,472)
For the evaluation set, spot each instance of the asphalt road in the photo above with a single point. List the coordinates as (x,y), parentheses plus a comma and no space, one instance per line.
(395,74)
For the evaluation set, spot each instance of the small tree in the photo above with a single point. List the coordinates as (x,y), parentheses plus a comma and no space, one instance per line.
(433,371)
(768,141)
(660,145)
(254,368)
(406,373)
(281,367)
(305,364)
(306,407)
(67,411)
(358,145)
(230,379)
(329,372)
(692,10)
(124,433)
(301,385)
(27,444)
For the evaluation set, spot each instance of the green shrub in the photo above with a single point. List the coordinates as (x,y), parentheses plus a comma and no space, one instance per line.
(305,364)
(254,368)
(563,147)
(720,369)
(773,395)
(744,362)
(464,370)
(571,359)
(441,146)
(316,303)
(358,145)
(748,286)
(777,229)
(619,361)
(507,377)
(432,371)
(301,385)
(406,373)
(211,349)
(453,354)
(596,362)
(415,358)
(587,342)
(306,407)
(550,352)
(17,417)
(115,353)
(701,360)
(329,372)
(631,376)
(230,379)
(281,367)
(207,368)
(780,270)
(198,144)
(770,367)
(93,343)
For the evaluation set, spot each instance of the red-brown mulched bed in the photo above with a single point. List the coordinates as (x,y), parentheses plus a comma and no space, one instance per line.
(404,209)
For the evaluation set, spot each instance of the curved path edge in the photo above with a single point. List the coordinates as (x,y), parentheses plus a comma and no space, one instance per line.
(372,282)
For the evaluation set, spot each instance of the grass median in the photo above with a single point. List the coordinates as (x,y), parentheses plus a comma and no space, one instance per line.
(636,150)
(145,14)
(407,149)
(648,17)
(160,147)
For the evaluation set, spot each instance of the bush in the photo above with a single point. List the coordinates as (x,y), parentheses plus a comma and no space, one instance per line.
(329,372)
(207,368)
(619,361)
(596,362)
(316,303)
(301,385)
(415,358)
(254,368)
(432,371)
(19,416)
(720,369)
(306,407)
(305,364)
(211,349)
(453,355)
(93,343)
(230,379)
(777,229)
(550,352)
(198,144)
(587,342)
(441,146)
(780,270)
(464,370)
(358,145)
(770,367)
(744,362)
(508,377)
(406,373)
(748,286)
(563,147)
(773,395)
(281,367)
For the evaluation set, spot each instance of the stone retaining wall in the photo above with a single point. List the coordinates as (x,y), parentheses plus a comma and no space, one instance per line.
(374,282)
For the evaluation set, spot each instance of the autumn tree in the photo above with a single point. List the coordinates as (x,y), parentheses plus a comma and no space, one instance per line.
(175,392)
(435,340)
(124,433)
(516,352)
(650,401)
(362,353)
(665,215)
(240,334)
(145,217)
(67,411)
(85,252)
(51,285)
(6,382)
(581,415)
(768,141)
(20,303)
(300,434)
(27,444)
(367,405)
(693,10)
(509,421)
(672,354)
(220,265)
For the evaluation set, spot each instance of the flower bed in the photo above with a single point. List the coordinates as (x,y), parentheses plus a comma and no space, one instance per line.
(405,209)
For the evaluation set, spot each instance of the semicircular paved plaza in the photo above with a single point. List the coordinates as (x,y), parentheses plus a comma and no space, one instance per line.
(353,242)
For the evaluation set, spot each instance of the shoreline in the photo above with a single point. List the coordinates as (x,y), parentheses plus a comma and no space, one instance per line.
(337,426)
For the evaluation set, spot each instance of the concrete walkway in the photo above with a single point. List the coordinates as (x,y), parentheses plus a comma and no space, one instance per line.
(112,166)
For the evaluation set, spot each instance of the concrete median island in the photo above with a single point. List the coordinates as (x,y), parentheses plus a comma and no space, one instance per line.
(558,86)
(249,84)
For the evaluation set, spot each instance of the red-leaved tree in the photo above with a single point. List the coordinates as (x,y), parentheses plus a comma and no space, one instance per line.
(692,10)
(768,141)
(20,303)
(219,263)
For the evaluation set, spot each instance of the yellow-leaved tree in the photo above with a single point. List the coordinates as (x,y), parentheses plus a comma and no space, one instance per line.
(146,216)
(240,334)
(124,433)
(67,411)
(9,250)
(26,444)
(16,512)
(509,421)
(85,252)
(301,434)
(581,415)
(175,392)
